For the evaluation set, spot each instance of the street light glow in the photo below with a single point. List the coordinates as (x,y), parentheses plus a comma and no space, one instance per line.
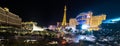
(85,26)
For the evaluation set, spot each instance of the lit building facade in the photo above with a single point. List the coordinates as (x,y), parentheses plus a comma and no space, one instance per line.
(31,26)
(93,22)
(9,19)
(73,22)
(83,17)
(52,27)
(28,25)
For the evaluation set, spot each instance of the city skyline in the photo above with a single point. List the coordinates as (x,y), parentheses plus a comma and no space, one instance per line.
(51,11)
(59,23)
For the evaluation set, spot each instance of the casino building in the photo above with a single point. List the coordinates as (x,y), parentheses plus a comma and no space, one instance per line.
(88,21)
(9,20)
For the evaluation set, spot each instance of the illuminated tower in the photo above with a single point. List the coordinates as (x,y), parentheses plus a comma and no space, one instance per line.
(64,17)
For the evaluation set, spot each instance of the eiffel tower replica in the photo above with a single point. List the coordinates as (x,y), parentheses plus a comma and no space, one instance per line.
(64,23)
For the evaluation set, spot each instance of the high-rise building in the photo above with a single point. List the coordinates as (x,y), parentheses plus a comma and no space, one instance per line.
(93,22)
(9,19)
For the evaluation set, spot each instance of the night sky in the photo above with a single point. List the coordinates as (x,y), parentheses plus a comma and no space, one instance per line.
(47,12)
